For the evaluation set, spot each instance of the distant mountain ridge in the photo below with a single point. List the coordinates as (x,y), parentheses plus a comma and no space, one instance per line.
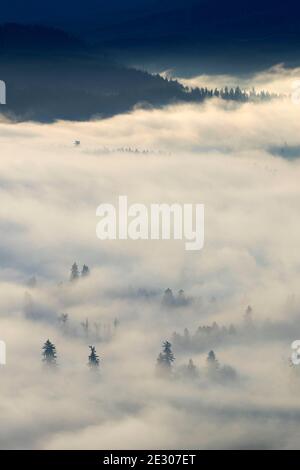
(209,21)
(51,75)
(18,37)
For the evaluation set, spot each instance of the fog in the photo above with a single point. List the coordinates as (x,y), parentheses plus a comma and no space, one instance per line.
(235,159)
(277,79)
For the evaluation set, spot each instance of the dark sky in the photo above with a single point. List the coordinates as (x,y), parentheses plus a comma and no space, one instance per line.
(37,10)
(245,28)
(95,11)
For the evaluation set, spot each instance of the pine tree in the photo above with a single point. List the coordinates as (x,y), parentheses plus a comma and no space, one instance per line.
(93,358)
(168,298)
(212,364)
(181,299)
(248,320)
(191,366)
(85,271)
(165,358)
(49,354)
(74,272)
(168,354)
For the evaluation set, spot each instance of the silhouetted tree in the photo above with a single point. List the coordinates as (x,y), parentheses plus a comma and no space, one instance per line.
(181,299)
(165,359)
(186,336)
(248,318)
(168,298)
(74,272)
(93,358)
(85,271)
(212,363)
(49,354)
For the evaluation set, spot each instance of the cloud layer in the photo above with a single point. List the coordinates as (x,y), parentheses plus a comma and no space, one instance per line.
(231,158)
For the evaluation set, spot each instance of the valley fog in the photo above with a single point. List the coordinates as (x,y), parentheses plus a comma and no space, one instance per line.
(237,297)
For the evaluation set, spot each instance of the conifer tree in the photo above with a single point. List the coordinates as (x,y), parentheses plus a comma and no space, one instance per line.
(168,298)
(93,358)
(248,316)
(49,354)
(212,365)
(85,271)
(165,359)
(181,299)
(74,272)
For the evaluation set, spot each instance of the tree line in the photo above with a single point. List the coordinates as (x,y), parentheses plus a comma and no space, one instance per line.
(166,359)
(231,94)
(164,363)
